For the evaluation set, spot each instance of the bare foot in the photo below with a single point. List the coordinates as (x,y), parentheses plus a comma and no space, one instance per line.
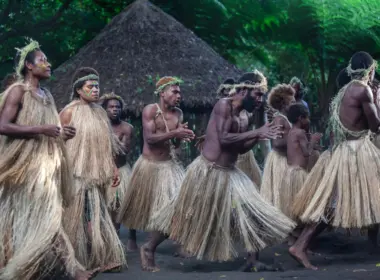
(147,259)
(182,253)
(132,245)
(258,266)
(85,275)
(301,257)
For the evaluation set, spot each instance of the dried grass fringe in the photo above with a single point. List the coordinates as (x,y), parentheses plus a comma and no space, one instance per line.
(248,164)
(306,193)
(294,179)
(91,153)
(218,208)
(152,188)
(352,179)
(273,176)
(35,183)
(105,246)
(91,150)
(116,195)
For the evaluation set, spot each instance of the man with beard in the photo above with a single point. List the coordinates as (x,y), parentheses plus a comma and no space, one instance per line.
(157,175)
(35,179)
(347,194)
(115,106)
(218,205)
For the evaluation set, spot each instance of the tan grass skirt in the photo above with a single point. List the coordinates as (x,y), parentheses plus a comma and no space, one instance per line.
(152,187)
(217,208)
(90,207)
(348,192)
(274,171)
(116,195)
(305,195)
(313,159)
(248,164)
(294,179)
(376,140)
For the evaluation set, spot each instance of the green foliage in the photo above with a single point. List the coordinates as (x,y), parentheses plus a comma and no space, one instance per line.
(312,39)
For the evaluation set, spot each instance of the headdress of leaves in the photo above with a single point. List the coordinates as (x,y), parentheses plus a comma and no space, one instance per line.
(23,52)
(262,84)
(361,74)
(166,81)
(228,84)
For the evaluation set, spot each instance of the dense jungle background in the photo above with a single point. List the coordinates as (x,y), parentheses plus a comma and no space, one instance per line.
(311,39)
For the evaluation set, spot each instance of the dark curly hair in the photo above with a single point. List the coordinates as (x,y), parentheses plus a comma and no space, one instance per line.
(280,95)
(296,111)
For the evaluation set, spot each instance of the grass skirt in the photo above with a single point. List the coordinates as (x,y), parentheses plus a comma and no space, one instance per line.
(294,179)
(90,206)
(248,164)
(217,208)
(273,176)
(348,190)
(116,195)
(152,188)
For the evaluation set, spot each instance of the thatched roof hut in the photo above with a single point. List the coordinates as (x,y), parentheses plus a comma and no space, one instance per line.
(138,46)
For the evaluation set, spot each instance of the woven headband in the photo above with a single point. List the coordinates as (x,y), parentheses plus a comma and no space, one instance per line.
(173,81)
(83,79)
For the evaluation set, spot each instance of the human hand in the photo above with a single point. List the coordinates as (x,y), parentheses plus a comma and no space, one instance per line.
(50,130)
(68,132)
(270,131)
(182,132)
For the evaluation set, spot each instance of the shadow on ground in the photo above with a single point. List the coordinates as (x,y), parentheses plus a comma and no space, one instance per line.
(341,257)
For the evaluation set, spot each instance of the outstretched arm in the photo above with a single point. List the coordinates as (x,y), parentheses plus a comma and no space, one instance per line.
(9,114)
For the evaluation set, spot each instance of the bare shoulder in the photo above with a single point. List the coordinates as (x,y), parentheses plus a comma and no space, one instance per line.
(15,93)
(296,133)
(66,114)
(126,127)
(279,120)
(223,107)
(361,91)
(178,111)
(149,111)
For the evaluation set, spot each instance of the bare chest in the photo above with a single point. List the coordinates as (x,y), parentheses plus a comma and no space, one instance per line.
(235,126)
(166,122)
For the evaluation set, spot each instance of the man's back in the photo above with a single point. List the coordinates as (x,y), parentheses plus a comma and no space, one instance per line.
(351,111)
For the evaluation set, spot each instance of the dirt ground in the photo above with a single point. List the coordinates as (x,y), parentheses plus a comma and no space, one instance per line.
(340,257)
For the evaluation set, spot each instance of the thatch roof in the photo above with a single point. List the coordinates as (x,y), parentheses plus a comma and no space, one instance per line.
(138,46)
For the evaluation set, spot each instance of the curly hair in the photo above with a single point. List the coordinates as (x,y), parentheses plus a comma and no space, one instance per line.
(296,111)
(302,87)
(280,95)
(111,96)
